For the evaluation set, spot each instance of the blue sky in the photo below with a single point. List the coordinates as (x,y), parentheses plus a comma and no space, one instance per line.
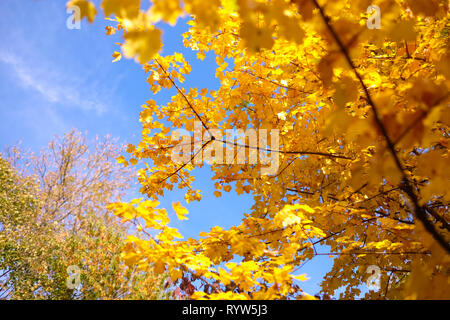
(53,79)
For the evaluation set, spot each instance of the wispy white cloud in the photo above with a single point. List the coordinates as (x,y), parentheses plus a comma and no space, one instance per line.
(54,85)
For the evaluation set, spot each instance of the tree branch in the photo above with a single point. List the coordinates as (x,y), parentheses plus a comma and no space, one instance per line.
(406,186)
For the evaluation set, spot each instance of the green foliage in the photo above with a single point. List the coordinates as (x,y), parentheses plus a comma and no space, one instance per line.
(52,216)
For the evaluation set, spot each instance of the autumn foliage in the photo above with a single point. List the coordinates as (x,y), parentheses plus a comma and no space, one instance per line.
(363,119)
(53,219)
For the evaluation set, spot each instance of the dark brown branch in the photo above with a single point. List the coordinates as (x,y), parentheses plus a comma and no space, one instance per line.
(300,191)
(386,215)
(377,195)
(371,252)
(435,215)
(406,185)
(324,154)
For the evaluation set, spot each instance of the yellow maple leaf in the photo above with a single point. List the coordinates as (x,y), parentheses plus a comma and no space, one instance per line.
(180,211)
(121,160)
(255,37)
(300,277)
(143,44)
(87,9)
(117,56)
(124,9)
(166,10)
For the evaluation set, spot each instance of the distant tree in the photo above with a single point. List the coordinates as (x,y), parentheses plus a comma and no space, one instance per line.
(53,215)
